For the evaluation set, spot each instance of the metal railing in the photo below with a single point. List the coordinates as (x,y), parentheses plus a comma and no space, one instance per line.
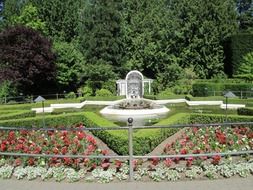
(131,156)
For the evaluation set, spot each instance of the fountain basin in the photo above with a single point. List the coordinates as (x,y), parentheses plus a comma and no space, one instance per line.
(139,109)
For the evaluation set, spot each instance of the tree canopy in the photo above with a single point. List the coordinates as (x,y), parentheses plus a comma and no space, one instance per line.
(98,40)
(26,59)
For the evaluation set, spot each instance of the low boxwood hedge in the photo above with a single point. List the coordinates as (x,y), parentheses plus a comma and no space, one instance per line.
(17,115)
(50,120)
(16,107)
(218,118)
(245,111)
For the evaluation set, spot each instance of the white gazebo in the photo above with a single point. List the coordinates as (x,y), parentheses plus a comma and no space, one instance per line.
(133,86)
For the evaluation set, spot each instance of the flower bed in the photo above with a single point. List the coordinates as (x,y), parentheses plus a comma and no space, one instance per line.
(211,140)
(160,173)
(50,142)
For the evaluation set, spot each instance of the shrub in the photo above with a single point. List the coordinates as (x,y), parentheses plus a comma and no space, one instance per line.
(6,89)
(103,92)
(245,70)
(245,111)
(85,91)
(70,95)
(165,93)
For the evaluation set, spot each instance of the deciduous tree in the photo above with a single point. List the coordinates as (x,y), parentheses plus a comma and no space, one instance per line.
(26,59)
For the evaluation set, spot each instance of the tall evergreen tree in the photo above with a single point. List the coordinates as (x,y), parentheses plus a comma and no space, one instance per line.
(148,35)
(100,33)
(204,25)
(60,16)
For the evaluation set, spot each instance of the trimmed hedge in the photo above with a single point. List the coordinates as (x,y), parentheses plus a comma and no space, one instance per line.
(50,120)
(16,107)
(118,140)
(208,88)
(245,111)
(17,115)
(218,118)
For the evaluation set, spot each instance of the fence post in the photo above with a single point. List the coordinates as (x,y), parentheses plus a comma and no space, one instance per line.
(130,144)
(241,94)
(57,96)
(5,100)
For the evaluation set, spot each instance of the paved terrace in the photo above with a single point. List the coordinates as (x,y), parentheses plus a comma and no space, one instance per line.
(234,183)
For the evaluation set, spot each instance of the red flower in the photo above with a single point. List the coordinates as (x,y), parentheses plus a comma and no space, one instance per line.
(183,151)
(67,161)
(3,147)
(31,161)
(189,162)
(216,159)
(11,136)
(64,150)
(176,160)
(155,161)
(80,135)
(196,151)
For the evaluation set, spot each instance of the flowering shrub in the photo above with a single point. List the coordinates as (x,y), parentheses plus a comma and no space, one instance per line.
(51,142)
(210,140)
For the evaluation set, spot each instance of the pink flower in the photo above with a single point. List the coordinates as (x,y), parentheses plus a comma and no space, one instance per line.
(168,162)
(104,152)
(105,166)
(189,162)
(91,139)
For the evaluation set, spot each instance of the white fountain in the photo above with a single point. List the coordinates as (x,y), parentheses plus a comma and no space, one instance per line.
(134,105)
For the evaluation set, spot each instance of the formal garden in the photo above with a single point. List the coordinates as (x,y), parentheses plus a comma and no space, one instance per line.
(69,69)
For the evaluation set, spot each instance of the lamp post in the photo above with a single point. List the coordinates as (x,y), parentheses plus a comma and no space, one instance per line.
(130,144)
(41,99)
(227,95)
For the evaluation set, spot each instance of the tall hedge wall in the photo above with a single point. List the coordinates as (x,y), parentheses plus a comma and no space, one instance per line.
(241,44)
(208,88)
